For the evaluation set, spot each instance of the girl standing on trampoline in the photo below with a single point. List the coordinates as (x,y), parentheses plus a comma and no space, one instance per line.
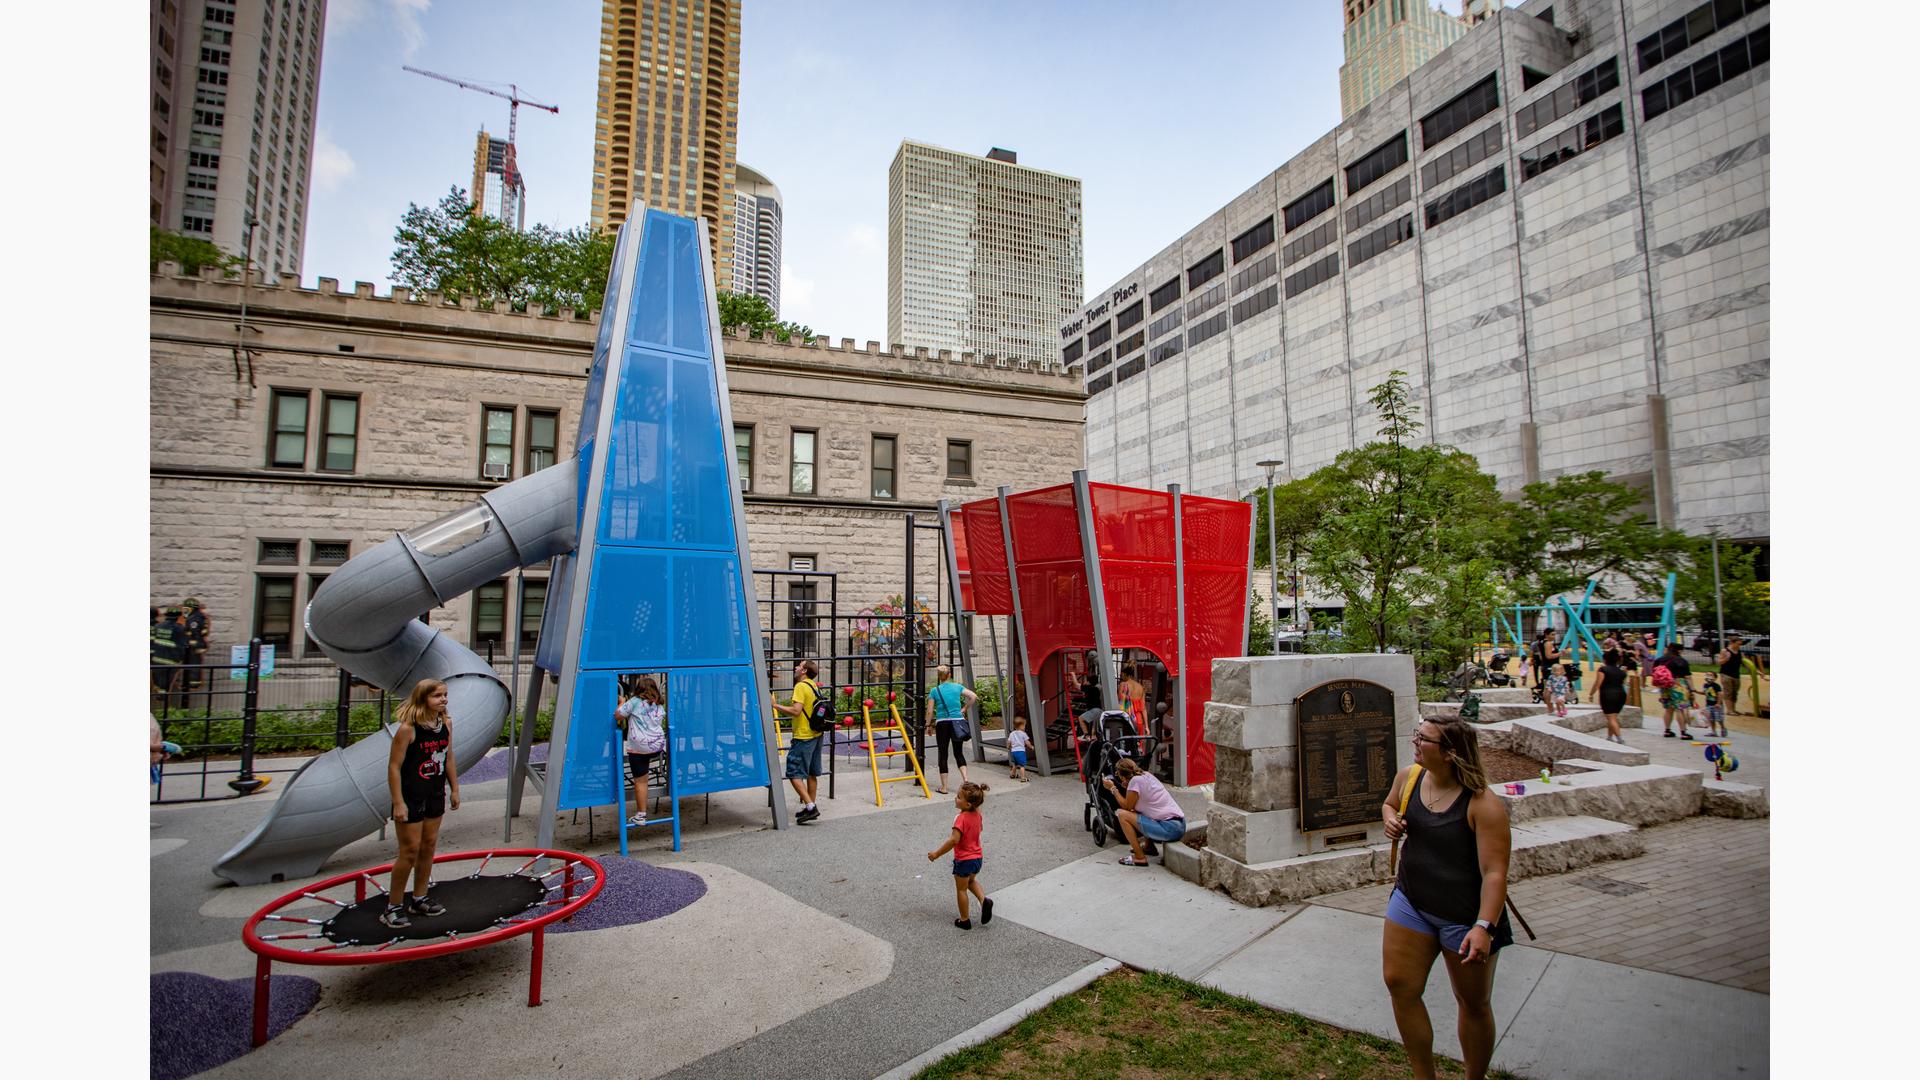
(424,785)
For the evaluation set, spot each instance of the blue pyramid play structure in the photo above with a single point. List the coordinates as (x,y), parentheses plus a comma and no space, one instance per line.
(660,575)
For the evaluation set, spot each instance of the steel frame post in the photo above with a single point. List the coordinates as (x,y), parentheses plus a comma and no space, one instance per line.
(960,634)
(1018,648)
(1096,593)
(1179,726)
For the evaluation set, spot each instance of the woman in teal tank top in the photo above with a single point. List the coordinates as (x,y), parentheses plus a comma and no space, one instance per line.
(948,702)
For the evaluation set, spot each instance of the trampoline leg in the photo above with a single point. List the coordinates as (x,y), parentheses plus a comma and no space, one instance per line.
(262,976)
(539,952)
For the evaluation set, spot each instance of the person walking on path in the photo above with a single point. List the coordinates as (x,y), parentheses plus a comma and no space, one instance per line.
(803,754)
(1448,897)
(1558,687)
(167,648)
(1729,660)
(1611,689)
(424,785)
(1546,654)
(1147,810)
(1017,741)
(947,705)
(1676,690)
(199,631)
(968,856)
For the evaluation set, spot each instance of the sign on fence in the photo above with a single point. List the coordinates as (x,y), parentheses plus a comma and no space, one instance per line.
(238,658)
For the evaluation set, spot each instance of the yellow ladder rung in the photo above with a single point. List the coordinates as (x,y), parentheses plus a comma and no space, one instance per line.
(898,779)
(897,727)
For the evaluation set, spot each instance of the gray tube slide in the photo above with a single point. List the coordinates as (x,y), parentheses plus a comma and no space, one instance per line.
(366,617)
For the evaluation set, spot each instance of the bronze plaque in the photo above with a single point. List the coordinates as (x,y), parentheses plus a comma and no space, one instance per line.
(1344,753)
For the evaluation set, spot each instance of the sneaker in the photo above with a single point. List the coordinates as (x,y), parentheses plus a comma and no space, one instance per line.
(1686,736)
(1668,733)
(986,911)
(425,906)
(395,918)
(964,924)
(637,820)
(806,814)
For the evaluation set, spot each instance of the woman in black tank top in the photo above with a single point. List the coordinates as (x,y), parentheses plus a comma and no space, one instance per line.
(1453,872)
(423,783)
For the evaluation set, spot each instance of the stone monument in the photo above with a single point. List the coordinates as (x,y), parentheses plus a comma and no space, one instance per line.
(1306,748)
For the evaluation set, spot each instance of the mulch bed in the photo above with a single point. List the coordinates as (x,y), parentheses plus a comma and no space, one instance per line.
(1503,766)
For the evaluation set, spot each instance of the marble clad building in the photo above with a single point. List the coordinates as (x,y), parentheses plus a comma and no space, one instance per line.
(1558,228)
(354,416)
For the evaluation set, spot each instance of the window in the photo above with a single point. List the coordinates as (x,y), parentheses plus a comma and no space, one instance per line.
(1164,295)
(342,420)
(883,466)
(1572,142)
(496,442)
(1475,102)
(1133,341)
(1072,352)
(1207,301)
(1165,323)
(490,613)
(287,439)
(313,586)
(1377,204)
(1129,369)
(1321,235)
(1099,385)
(743,454)
(1693,28)
(213,77)
(1309,206)
(1252,240)
(1467,196)
(1313,275)
(273,610)
(1469,152)
(1389,156)
(959,459)
(1099,335)
(280,552)
(192,223)
(1706,73)
(543,439)
(1530,78)
(1206,270)
(800,475)
(1253,305)
(1207,328)
(203,161)
(1379,240)
(1570,96)
(328,552)
(533,605)
(1166,350)
(1256,273)
(1129,317)
(1100,359)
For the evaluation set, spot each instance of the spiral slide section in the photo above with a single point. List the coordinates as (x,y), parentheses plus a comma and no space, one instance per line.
(366,617)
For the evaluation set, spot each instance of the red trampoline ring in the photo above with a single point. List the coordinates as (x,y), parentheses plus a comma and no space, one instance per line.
(575,871)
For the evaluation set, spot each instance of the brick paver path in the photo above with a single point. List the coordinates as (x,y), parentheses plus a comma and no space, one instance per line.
(1694,905)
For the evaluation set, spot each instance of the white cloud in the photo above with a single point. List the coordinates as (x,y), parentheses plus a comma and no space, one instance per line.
(332,165)
(400,17)
(406,18)
(864,239)
(796,292)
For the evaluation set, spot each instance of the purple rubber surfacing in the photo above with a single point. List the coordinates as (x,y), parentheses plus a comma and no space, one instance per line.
(200,1022)
(494,766)
(635,892)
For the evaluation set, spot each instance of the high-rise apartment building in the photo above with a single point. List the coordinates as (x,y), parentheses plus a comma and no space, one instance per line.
(983,253)
(756,237)
(499,190)
(1386,39)
(235,84)
(668,114)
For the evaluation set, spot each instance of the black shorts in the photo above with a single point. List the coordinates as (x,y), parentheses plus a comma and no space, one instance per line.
(425,806)
(638,764)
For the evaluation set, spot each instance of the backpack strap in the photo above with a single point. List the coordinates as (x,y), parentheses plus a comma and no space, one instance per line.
(1406,795)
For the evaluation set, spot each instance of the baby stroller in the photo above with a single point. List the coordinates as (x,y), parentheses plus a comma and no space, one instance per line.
(1101,751)
(1497,669)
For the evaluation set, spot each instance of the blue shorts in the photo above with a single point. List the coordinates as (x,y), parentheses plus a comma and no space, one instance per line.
(1019,757)
(803,759)
(966,867)
(1401,910)
(1166,831)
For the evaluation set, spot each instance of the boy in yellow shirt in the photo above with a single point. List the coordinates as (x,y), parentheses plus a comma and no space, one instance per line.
(803,757)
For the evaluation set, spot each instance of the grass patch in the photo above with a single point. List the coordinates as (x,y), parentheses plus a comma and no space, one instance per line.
(1145,1024)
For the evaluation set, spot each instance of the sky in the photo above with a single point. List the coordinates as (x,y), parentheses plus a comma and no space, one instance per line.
(1164,111)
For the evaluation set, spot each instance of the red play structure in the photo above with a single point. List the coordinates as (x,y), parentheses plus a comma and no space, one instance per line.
(1089,570)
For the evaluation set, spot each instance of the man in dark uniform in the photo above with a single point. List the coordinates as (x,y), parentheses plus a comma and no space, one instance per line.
(197,631)
(168,647)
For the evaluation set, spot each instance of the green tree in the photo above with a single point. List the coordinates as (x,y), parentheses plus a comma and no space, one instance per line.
(1299,506)
(1744,600)
(755,315)
(448,248)
(1582,526)
(191,252)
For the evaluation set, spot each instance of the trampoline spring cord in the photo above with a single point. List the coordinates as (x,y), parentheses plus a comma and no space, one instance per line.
(295,918)
(288,937)
(483,864)
(326,899)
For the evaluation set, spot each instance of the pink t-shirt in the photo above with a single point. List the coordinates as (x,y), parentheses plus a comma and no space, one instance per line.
(968,822)
(1155,801)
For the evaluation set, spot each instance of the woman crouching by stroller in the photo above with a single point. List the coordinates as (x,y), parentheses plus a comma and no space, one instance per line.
(1450,892)
(1146,810)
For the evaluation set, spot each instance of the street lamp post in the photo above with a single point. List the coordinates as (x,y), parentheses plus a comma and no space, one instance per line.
(1273,563)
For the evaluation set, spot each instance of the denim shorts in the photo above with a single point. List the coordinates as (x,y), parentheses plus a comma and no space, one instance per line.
(1167,830)
(1401,910)
(1019,757)
(966,867)
(803,759)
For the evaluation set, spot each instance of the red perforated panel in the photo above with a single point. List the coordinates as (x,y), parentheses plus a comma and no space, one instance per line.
(1134,530)
(961,568)
(1056,607)
(1215,534)
(986,558)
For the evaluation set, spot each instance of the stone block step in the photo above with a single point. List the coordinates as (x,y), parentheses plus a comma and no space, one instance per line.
(1490,712)
(1505,695)
(1548,845)
(1630,794)
(1724,798)
(1544,738)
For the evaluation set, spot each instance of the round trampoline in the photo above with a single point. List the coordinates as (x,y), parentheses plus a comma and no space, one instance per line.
(482,909)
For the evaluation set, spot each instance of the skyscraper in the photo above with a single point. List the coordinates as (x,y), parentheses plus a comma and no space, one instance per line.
(234,86)
(756,240)
(1386,39)
(499,190)
(983,253)
(669,114)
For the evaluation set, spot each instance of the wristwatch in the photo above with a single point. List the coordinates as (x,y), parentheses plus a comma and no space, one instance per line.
(1484,925)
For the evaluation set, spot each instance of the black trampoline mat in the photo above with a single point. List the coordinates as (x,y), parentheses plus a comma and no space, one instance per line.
(473,904)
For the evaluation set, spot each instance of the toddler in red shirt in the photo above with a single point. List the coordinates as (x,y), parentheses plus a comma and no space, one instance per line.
(964,842)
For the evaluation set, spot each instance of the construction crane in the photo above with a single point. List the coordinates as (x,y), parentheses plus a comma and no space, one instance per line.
(514,100)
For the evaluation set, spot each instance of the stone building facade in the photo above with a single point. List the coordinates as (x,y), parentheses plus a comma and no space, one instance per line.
(1558,228)
(341,418)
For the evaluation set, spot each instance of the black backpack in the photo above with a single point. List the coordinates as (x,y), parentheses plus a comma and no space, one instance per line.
(821,719)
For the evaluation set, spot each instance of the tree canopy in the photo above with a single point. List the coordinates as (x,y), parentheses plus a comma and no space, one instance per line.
(191,252)
(755,315)
(448,248)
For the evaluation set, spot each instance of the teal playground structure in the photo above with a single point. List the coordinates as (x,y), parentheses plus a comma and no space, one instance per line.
(1580,643)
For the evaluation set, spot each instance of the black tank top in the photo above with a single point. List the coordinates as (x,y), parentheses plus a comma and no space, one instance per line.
(423,770)
(1440,862)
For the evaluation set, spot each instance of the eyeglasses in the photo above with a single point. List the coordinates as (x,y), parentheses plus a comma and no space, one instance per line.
(1422,738)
